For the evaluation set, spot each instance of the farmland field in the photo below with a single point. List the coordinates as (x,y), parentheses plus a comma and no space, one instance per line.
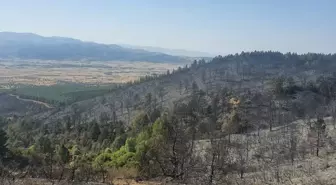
(69,81)
(61,93)
(52,72)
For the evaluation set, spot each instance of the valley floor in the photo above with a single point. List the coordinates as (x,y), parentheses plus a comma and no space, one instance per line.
(37,72)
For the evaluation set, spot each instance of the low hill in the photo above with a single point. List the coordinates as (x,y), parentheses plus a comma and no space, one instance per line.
(241,73)
(32,46)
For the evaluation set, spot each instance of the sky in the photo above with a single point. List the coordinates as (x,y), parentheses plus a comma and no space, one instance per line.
(213,26)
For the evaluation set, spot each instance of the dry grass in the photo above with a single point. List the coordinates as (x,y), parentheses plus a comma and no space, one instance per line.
(50,72)
(31,181)
(127,176)
(123,173)
(133,182)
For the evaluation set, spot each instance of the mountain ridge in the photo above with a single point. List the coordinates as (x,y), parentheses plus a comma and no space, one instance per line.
(33,46)
(169,51)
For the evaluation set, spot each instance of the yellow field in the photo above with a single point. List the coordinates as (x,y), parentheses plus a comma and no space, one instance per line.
(50,72)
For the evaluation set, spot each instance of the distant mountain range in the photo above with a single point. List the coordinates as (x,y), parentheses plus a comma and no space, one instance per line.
(175,52)
(32,46)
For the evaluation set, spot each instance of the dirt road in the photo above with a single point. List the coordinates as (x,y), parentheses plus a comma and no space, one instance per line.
(34,101)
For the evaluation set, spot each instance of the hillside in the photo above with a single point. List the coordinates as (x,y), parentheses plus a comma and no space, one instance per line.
(32,46)
(253,72)
(13,105)
(269,159)
(249,118)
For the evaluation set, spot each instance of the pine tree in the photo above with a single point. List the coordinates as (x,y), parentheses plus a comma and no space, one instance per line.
(63,158)
(103,135)
(95,131)
(3,144)
(63,154)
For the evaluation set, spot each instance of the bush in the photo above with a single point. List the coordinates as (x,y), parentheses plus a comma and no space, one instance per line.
(118,159)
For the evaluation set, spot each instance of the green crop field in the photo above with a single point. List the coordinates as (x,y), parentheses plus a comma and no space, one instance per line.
(61,93)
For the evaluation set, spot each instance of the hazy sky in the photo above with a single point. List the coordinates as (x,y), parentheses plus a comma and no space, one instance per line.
(215,26)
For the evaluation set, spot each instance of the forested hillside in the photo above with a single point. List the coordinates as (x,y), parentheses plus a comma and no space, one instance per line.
(248,118)
(254,72)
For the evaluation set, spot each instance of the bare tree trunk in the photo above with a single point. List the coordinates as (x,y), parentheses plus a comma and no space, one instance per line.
(318,143)
(62,173)
(212,168)
(72,174)
(128,115)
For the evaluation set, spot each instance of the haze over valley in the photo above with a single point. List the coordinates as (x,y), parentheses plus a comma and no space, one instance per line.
(27,58)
